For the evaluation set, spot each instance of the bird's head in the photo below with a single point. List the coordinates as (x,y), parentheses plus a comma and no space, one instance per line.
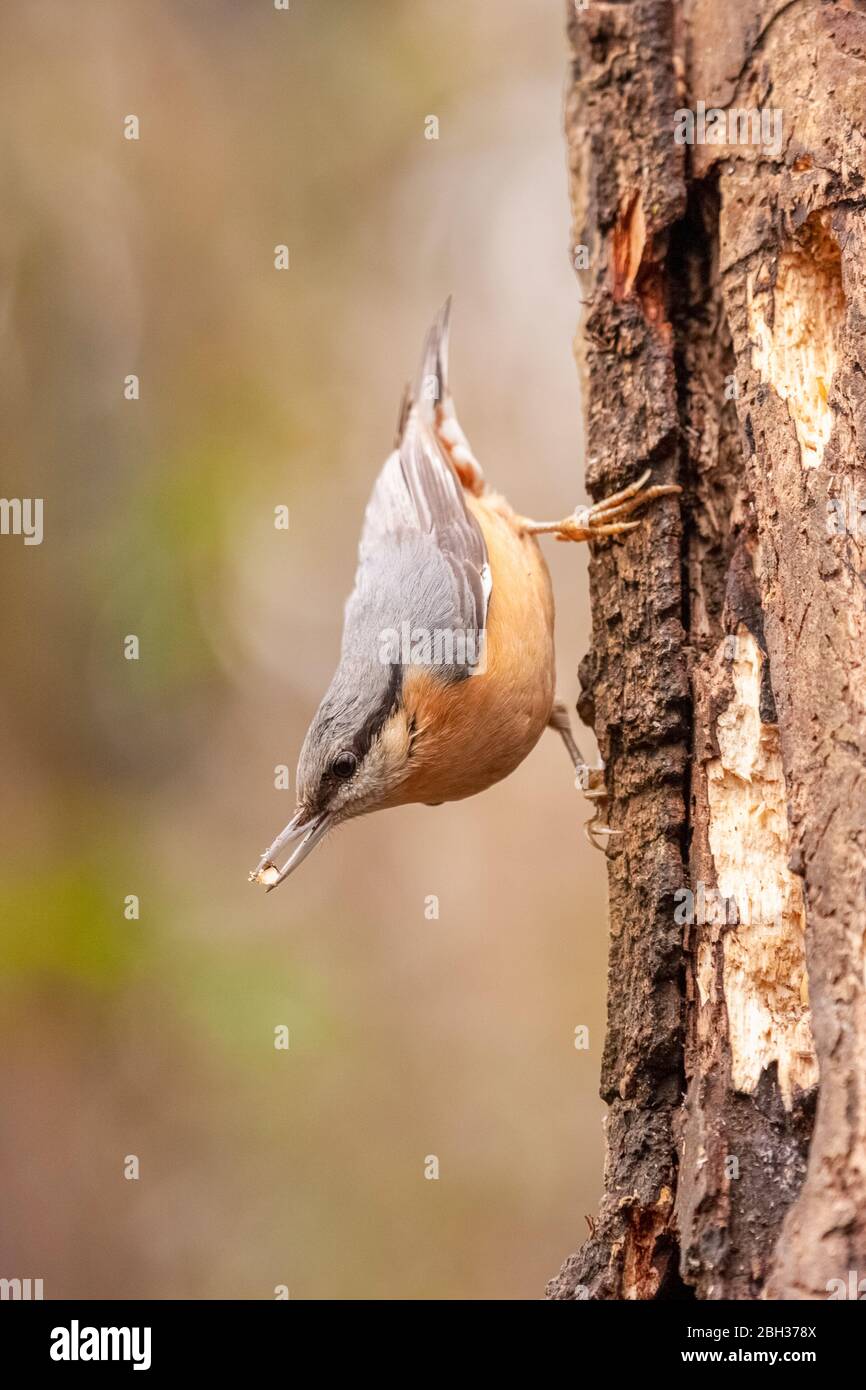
(355,759)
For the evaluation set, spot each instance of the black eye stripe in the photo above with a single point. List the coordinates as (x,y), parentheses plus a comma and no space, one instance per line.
(359,745)
(376,720)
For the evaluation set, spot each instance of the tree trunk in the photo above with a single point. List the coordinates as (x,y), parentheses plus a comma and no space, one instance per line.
(724,347)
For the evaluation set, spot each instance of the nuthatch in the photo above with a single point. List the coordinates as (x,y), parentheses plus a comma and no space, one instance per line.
(446,673)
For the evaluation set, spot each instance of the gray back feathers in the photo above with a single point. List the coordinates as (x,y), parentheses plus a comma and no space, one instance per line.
(422,569)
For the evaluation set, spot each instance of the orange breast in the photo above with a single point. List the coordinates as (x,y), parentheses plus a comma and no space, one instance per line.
(472,734)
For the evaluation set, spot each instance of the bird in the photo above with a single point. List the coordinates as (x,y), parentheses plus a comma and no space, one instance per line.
(446,676)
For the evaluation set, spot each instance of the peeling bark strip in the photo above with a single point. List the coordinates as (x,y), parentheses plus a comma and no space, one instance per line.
(795,320)
(764,979)
(726,346)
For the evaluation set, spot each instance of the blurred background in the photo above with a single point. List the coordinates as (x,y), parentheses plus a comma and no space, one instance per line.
(154,1036)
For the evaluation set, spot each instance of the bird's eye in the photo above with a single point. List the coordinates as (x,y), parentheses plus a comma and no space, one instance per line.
(344,765)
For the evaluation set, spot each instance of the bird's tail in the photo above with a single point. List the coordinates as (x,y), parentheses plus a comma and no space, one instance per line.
(431,397)
(431,384)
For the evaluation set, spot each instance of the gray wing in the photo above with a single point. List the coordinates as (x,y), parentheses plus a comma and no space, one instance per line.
(417,497)
(422,556)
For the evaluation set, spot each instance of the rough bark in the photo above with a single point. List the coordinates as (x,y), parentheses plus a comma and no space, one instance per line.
(724,345)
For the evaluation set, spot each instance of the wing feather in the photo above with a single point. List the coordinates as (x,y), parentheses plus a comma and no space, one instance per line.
(420,546)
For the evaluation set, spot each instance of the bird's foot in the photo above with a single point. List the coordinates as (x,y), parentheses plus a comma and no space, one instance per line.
(590,780)
(591,830)
(604,518)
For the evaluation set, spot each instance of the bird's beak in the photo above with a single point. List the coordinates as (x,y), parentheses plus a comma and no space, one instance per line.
(308,832)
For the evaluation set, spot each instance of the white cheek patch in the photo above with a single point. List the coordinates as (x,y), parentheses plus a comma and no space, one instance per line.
(384,767)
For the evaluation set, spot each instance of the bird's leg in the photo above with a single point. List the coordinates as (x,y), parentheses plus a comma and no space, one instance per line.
(603,518)
(561,722)
(589,780)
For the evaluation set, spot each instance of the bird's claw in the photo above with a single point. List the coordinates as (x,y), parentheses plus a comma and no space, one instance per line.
(590,780)
(605,518)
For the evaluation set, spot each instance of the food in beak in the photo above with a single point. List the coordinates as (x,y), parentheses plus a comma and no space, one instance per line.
(308,832)
(269,876)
